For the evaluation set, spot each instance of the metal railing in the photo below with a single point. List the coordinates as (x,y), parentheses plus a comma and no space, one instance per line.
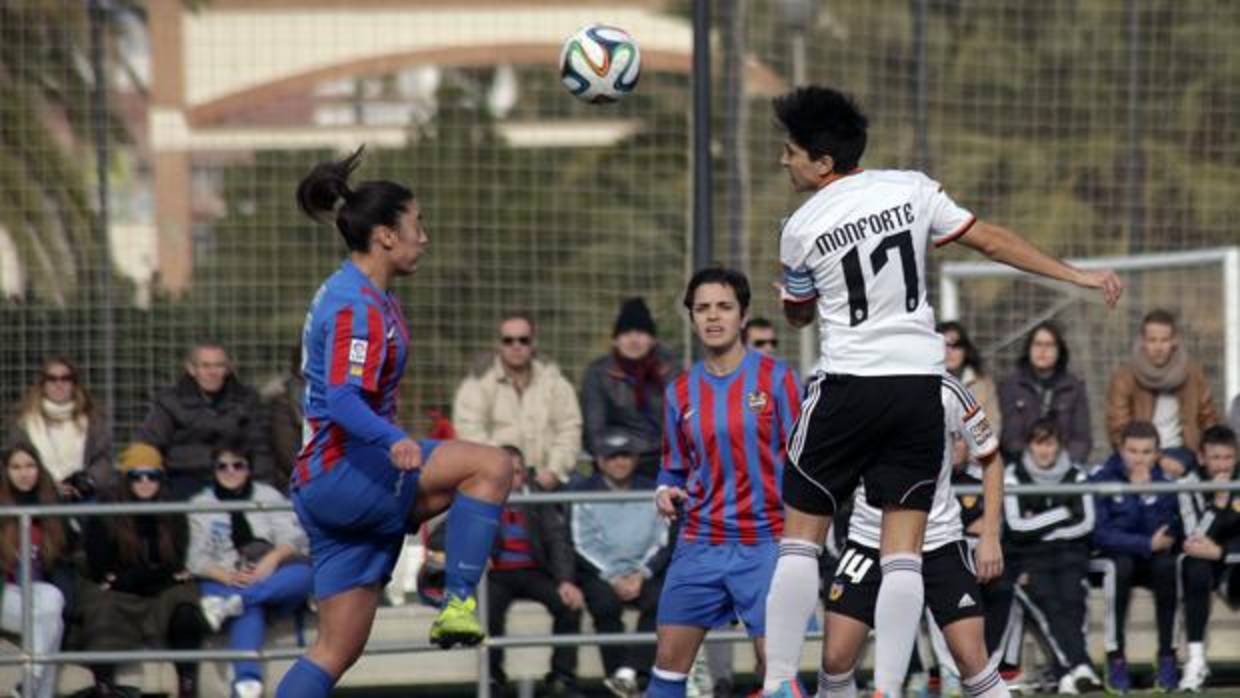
(25,515)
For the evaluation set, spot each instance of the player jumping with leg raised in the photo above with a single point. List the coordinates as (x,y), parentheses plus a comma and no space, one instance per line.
(854,255)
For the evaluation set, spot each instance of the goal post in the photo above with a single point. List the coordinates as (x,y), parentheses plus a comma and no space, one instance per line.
(1192,294)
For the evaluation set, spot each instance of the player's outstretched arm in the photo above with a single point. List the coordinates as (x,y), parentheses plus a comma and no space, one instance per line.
(1005,246)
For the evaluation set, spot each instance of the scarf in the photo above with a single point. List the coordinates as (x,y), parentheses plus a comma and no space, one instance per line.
(1160,379)
(58,437)
(1047,476)
(642,375)
(242,534)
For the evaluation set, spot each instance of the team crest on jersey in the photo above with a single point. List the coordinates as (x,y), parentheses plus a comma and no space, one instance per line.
(837,590)
(757,401)
(357,351)
(968,501)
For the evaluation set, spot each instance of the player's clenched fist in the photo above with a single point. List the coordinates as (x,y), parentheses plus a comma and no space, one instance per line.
(668,499)
(406,455)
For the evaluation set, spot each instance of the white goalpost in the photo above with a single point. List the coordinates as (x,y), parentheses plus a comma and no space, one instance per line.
(1226,260)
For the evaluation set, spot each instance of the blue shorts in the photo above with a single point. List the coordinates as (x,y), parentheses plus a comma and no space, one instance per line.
(356,517)
(708,585)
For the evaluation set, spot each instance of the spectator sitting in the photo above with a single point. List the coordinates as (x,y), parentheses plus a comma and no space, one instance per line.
(622,553)
(207,406)
(1041,387)
(1136,535)
(59,419)
(1211,547)
(533,559)
(249,563)
(1049,544)
(139,591)
(286,422)
(27,482)
(964,361)
(520,400)
(624,390)
(759,335)
(1161,384)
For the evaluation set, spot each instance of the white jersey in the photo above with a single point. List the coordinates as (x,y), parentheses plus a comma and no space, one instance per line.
(963,417)
(859,246)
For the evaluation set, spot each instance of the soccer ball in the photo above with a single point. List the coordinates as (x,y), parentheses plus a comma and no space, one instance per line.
(600,64)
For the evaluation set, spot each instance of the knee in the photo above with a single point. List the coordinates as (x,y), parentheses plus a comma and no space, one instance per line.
(1198,576)
(48,601)
(496,468)
(837,659)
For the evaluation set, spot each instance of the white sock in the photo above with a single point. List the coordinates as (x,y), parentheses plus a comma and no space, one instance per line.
(1196,651)
(789,605)
(987,684)
(900,599)
(836,685)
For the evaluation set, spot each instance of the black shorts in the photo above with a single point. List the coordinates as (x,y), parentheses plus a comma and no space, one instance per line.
(952,591)
(887,430)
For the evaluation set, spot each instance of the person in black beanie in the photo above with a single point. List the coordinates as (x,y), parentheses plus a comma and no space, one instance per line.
(624,389)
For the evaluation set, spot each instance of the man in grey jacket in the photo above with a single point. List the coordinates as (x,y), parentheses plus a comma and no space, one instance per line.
(622,553)
(624,389)
(207,407)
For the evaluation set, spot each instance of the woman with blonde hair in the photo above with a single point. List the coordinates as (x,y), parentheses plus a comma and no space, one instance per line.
(58,417)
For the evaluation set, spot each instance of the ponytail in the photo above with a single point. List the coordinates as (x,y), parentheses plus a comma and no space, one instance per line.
(325,196)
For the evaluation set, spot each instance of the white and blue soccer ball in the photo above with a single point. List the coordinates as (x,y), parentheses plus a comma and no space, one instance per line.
(600,64)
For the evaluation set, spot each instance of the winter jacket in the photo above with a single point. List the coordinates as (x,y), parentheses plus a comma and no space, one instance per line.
(1128,400)
(1035,523)
(1024,400)
(613,539)
(544,420)
(1124,523)
(1202,515)
(210,534)
(185,425)
(608,402)
(152,574)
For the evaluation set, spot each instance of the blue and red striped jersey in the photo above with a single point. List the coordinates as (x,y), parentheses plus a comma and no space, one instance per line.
(724,444)
(354,345)
(515,550)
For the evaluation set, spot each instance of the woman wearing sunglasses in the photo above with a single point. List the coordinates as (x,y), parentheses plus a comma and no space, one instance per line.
(27,482)
(249,563)
(60,420)
(139,592)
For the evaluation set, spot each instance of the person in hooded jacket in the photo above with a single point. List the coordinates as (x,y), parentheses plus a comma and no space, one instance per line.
(1136,536)
(1048,540)
(1043,387)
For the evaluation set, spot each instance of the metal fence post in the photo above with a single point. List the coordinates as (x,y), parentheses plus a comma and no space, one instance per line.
(484,662)
(24,526)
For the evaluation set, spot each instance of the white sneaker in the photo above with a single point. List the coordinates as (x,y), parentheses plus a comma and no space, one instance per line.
(217,609)
(1067,685)
(623,683)
(249,688)
(1193,677)
(1085,679)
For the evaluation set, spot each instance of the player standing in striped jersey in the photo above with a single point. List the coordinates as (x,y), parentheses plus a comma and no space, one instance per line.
(953,596)
(854,257)
(726,422)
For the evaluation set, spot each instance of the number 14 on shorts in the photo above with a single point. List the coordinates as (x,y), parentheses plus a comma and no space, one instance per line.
(854,565)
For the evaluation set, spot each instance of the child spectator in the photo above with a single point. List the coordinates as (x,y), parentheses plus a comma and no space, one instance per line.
(27,482)
(1136,536)
(251,564)
(1049,542)
(139,591)
(1211,547)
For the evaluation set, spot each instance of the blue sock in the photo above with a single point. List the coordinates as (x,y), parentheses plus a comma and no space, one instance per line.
(666,684)
(305,679)
(472,524)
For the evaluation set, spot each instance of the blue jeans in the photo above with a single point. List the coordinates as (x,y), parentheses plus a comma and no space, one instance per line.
(283,592)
